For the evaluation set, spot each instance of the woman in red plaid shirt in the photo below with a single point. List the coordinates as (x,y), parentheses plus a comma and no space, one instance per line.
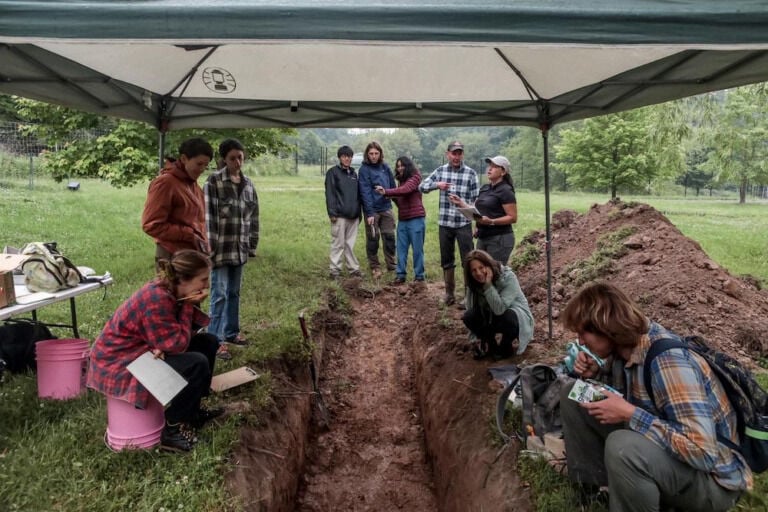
(162,317)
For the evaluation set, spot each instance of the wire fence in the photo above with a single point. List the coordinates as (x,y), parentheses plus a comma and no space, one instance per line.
(20,152)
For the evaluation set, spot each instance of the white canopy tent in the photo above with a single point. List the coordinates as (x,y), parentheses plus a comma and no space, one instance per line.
(359,63)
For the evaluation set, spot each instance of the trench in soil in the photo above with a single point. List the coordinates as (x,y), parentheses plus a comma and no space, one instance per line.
(372,456)
(409,417)
(409,423)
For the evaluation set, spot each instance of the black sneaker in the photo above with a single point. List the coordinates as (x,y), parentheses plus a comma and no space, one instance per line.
(177,438)
(205,415)
(480,350)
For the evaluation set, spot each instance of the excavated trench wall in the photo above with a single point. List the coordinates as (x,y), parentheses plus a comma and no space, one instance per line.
(471,471)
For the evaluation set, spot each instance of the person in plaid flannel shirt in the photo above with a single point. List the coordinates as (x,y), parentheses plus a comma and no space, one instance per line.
(232,222)
(670,458)
(453,178)
(162,317)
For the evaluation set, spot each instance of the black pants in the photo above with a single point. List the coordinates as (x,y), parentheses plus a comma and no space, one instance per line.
(449,238)
(505,324)
(196,366)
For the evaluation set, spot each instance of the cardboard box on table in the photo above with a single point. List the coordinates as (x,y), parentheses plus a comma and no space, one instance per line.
(8,262)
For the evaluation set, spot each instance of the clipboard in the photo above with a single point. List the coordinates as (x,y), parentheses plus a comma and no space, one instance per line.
(470,213)
(232,379)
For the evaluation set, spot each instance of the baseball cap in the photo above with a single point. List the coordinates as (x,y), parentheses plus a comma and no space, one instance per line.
(455,145)
(500,161)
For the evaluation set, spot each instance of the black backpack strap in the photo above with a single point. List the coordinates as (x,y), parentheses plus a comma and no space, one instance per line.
(662,346)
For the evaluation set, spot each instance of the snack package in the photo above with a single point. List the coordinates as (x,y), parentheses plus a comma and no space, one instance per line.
(590,391)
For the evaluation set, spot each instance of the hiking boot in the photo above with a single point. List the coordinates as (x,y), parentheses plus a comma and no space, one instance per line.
(177,438)
(356,273)
(398,281)
(223,353)
(205,415)
(450,286)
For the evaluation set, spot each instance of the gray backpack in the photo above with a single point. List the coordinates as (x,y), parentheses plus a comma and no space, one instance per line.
(537,390)
(47,270)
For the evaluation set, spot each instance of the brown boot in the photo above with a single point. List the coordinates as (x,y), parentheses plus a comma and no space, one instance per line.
(450,286)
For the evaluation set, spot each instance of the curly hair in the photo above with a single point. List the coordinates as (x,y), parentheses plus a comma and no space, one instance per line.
(603,309)
(409,168)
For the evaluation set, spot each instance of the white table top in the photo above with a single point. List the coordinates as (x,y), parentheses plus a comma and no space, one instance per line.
(59,296)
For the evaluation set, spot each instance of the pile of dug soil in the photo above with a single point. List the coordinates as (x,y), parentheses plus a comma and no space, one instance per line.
(638,249)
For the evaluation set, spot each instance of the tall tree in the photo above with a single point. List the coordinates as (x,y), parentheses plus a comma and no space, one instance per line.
(608,153)
(739,139)
(309,146)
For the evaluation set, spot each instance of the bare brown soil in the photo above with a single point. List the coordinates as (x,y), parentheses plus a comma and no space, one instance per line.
(668,274)
(410,424)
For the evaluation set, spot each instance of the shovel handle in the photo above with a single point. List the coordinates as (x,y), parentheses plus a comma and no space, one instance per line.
(303,324)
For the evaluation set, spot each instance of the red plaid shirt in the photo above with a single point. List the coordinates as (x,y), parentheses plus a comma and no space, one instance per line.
(150,319)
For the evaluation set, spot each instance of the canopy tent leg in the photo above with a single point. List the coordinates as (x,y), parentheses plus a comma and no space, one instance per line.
(161,148)
(548,239)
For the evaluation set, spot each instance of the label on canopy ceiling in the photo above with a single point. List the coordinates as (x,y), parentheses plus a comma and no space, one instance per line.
(219,80)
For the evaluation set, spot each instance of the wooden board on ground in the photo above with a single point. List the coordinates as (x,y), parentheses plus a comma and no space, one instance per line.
(234,378)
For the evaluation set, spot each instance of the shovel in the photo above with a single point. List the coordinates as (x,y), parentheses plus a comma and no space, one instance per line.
(322,415)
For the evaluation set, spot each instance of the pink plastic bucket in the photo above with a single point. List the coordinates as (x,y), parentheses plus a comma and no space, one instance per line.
(132,428)
(63,344)
(61,366)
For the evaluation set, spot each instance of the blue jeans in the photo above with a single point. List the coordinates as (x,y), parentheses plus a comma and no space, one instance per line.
(411,233)
(225,301)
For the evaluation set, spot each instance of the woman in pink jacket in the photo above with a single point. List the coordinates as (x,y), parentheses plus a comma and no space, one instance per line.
(411,225)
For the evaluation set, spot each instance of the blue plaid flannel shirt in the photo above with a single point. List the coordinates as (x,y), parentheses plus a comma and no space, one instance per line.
(464,184)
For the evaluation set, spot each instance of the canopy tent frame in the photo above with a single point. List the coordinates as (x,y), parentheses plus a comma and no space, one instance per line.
(543,62)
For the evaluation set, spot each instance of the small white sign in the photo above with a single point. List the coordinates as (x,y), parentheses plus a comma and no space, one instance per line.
(162,381)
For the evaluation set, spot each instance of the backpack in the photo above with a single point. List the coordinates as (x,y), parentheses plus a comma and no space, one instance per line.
(17,343)
(46,270)
(748,399)
(538,388)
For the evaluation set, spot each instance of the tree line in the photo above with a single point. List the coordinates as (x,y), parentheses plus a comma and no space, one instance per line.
(712,141)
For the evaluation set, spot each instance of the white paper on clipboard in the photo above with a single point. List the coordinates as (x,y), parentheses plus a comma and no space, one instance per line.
(162,381)
(470,213)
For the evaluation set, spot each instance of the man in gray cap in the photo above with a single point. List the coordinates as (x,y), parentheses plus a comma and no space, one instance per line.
(453,178)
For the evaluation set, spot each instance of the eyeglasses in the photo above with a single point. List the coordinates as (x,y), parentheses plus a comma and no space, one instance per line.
(457,152)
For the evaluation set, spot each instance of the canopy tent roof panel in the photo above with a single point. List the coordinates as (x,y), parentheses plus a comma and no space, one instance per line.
(237,63)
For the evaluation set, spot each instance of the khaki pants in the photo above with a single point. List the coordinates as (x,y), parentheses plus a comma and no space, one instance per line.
(343,237)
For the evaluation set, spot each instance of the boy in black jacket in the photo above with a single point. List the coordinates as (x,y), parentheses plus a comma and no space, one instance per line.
(342,200)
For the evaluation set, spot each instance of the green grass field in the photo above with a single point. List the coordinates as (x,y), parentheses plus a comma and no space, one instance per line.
(52,454)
